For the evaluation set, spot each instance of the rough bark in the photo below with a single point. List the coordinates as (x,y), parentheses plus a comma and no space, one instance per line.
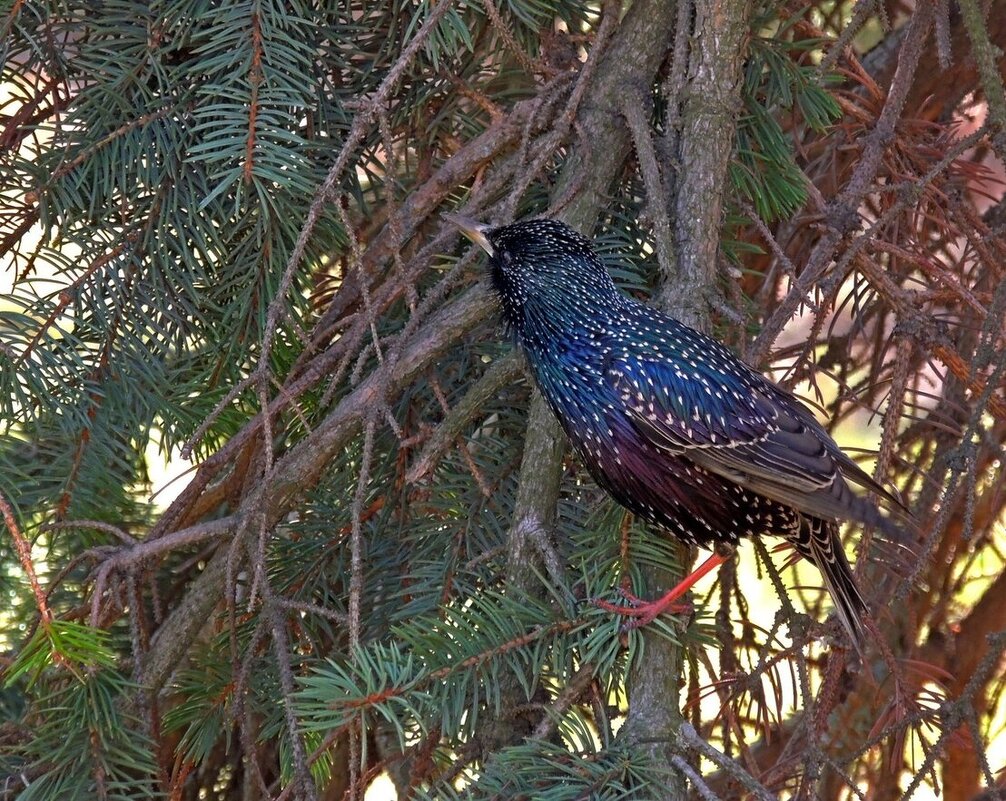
(709,108)
(709,104)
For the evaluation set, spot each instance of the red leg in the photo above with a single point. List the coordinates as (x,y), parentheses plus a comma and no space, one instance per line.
(645,612)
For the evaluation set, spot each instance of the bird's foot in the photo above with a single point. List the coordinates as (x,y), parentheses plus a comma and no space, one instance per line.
(645,612)
(642,612)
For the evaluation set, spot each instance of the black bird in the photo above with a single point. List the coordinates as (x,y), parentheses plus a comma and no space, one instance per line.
(673,425)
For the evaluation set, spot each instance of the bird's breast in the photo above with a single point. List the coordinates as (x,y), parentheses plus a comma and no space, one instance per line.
(672,491)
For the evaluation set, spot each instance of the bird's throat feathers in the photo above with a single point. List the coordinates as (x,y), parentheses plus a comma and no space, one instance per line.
(551,286)
(550,311)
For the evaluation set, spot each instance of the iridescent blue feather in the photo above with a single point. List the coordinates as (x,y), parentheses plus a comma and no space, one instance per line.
(670,422)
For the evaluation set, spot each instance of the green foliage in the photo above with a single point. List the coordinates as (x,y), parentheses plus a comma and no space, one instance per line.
(72,645)
(778,78)
(379,681)
(170,156)
(560,772)
(204,712)
(90,747)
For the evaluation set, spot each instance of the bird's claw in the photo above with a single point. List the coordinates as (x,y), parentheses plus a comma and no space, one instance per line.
(642,612)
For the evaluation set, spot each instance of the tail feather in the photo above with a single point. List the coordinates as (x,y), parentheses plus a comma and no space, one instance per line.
(898,525)
(818,541)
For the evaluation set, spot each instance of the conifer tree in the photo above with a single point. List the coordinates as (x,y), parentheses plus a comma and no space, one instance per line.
(222,247)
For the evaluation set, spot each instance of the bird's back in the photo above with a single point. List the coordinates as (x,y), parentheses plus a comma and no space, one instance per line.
(669,421)
(649,403)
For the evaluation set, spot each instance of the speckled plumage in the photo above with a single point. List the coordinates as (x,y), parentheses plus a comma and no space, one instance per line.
(667,420)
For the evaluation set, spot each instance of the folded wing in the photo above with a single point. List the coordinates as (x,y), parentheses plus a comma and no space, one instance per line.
(738,425)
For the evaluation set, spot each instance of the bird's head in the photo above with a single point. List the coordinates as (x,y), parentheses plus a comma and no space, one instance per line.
(544,273)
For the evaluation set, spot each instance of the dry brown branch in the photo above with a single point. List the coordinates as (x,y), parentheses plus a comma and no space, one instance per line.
(843,213)
(23,550)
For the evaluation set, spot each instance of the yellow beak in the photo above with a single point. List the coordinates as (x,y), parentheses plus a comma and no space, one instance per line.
(473,229)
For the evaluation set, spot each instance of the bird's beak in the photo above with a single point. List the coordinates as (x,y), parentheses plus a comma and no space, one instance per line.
(473,229)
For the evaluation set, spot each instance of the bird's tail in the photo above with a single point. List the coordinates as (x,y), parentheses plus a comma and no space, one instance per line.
(818,541)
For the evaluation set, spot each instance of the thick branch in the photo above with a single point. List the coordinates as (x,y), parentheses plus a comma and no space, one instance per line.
(708,118)
(709,112)
(631,60)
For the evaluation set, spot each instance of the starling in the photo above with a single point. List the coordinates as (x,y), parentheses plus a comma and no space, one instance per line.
(668,421)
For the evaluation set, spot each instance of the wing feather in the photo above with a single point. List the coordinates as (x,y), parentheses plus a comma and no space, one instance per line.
(745,429)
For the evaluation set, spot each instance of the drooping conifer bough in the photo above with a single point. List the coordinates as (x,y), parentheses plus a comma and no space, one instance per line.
(673,425)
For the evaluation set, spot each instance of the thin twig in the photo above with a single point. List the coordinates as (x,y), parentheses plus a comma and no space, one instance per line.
(96,525)
(281,647)
(635,109)
(689,738)
(24,555)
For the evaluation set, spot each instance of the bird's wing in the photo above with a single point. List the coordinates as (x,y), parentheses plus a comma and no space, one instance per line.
(736,424)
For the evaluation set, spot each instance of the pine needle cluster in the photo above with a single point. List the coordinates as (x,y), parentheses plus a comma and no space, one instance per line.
(220,234)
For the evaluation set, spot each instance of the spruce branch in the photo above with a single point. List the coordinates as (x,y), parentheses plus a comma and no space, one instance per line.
(843,208)
(301,467)
(217,135)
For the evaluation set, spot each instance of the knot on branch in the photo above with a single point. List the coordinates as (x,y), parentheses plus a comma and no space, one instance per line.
(843,218)
(961,458)
(922,329)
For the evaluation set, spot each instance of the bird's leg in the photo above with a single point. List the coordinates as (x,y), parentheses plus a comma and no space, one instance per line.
(645,612)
